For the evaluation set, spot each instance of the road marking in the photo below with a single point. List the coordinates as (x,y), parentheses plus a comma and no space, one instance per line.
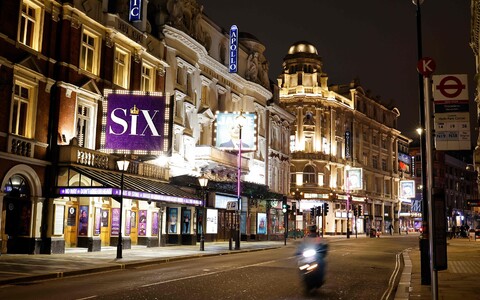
(465,267)
(391,281)
(215,272)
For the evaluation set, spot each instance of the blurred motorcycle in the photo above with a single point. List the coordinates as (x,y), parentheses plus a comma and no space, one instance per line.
(311,265)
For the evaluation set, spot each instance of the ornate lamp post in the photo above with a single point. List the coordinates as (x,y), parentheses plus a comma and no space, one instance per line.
(122,166)
(203,181)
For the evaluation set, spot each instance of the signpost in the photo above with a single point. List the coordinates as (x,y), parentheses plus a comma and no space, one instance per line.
(452,114)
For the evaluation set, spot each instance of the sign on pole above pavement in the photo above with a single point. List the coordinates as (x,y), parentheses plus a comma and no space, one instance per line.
(450,87)
(426,66)
(452,113)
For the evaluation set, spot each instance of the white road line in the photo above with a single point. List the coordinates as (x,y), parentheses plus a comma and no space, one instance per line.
(216,272)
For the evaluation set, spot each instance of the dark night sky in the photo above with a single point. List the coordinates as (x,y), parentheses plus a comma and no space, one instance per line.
(374,40)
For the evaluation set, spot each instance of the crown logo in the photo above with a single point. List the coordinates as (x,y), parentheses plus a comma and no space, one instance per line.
(134,110)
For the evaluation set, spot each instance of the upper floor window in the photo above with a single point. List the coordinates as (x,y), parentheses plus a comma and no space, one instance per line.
(21,111)
(90,52)
(121,67)
(30,27)
(85,124)
(309,174)
(148,78)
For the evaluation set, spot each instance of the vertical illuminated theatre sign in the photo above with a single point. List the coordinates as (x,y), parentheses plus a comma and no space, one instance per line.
(135,10)
(135,123)
(233,65)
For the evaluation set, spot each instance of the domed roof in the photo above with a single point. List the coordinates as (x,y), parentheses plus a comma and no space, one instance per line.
(302,47)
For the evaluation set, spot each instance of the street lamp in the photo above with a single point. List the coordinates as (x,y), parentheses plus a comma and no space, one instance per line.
(203,181)
(240,120)
(122,166)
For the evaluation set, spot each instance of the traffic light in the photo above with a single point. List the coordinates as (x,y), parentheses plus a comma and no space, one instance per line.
(355,211)
(325,208)
(294,208)
(318,210)
(284,204)
(312,212)
(360,213)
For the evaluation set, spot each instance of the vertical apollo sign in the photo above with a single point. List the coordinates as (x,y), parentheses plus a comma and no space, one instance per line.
(348,153)
(135,122)
(233,62)
(135,9)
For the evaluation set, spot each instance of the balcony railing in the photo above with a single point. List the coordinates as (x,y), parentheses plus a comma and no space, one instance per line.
(220,157)
(20,146)
(86,157)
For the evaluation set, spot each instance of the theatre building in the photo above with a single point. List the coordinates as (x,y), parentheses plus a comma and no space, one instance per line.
(88,86)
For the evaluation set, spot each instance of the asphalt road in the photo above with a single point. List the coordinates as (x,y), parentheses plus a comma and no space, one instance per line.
(356,269)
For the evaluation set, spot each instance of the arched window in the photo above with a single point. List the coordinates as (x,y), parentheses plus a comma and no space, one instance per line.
(309,174)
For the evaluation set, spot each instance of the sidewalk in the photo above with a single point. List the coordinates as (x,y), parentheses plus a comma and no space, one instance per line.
(459,281)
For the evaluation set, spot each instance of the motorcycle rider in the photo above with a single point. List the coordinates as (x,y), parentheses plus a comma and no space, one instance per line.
(312,240)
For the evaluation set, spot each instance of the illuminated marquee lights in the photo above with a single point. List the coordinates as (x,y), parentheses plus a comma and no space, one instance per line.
(114,192)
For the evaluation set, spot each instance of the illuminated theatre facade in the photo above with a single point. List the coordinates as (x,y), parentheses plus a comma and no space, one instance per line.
(86,84)
(341,130)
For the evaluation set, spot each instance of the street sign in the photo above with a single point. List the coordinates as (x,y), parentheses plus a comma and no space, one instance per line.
(450,87)
(473,203)
(426,66)
(452,113)
(232,205)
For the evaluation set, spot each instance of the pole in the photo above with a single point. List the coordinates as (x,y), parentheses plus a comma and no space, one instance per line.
(348,204)
(430,184)
(120,237)
(424,251)
(323,220)
(202,236)
(239,174)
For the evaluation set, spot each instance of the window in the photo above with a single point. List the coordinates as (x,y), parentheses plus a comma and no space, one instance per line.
(309,174)
(22,109)
(384,165)
(90,52)
(292,143)
(85,127)
(148,78)
(375,162)
(29,29)
(121,67)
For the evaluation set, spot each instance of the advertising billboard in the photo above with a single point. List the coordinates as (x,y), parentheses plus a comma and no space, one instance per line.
(407,189)
(261,223)
(354,178)
(135,123)
(212,221)
(228,126)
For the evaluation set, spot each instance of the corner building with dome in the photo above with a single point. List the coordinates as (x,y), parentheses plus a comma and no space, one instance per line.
(340,130)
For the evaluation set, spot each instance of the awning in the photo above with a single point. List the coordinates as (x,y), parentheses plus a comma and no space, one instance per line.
(134,187)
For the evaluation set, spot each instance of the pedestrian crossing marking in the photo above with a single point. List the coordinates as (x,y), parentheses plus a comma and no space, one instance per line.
(470,267)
